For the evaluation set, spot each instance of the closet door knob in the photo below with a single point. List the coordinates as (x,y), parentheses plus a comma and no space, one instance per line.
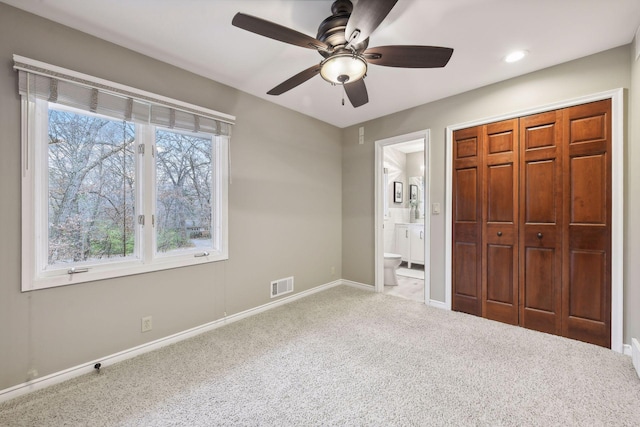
(539,235)
(499,233)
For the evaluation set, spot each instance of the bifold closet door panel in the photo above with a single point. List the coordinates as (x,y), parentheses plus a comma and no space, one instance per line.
(500,222)
(467,221)
(532,222)
(541,222)
(586,297)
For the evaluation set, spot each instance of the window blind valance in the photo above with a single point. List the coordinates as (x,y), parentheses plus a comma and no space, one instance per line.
(40,80)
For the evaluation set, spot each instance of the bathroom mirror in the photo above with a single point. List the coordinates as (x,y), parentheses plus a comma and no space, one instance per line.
(418,181)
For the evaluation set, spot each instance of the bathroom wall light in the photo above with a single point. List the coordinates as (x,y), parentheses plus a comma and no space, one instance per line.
(515,56)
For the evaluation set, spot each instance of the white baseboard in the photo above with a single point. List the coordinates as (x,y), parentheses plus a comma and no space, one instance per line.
(85,368)
(438,304)
(635,354)
(358,285)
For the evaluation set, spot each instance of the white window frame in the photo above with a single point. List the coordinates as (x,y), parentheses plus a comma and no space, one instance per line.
(144,259)
(219,223)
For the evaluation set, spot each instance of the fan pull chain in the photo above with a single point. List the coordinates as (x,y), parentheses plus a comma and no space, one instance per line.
(343,92)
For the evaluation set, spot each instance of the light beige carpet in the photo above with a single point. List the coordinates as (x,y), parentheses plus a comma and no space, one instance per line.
(347,357)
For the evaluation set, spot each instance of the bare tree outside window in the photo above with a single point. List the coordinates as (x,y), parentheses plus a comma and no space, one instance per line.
(91,188)
(183,191)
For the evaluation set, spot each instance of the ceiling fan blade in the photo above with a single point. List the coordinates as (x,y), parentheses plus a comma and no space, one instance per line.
(295,80)
(365,18)
(277,32)
(409,56)
(357,93)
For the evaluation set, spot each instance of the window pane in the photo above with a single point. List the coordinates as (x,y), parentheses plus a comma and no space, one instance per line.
(183,197)
(91,188)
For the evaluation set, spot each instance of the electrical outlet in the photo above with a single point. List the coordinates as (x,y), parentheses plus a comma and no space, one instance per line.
(147,324)
(333,271)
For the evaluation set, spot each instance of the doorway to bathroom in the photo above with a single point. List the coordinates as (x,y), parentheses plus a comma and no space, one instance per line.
(401,217)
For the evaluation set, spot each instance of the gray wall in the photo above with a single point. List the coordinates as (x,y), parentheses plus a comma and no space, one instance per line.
(414,161)
(285,214)
(605,71)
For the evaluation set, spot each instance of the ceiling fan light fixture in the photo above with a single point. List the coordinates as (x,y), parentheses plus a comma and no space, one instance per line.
(343,68)
(343,41)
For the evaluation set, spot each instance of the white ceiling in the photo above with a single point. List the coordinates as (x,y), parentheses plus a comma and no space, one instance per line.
(197,35)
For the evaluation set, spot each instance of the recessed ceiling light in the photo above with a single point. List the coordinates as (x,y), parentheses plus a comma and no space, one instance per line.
(515,56)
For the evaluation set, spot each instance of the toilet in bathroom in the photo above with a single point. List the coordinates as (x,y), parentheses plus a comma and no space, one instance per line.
(391,264)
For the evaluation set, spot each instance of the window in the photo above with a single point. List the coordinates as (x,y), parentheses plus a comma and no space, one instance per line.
(116,181)
(183,192)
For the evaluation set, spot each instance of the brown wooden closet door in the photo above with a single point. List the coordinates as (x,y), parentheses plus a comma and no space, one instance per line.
(541,222)
(467,224)
(586,296)
(500,222)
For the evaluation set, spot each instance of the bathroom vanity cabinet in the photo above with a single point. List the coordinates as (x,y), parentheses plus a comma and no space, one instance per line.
(410,243)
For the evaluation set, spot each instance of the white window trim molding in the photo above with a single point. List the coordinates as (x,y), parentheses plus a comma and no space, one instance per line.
(143,260)
(425,135)
(617,202)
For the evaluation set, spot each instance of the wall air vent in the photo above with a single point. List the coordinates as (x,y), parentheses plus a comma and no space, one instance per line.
(281,286)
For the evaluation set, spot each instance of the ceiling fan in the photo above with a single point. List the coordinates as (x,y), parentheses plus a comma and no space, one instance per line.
(343,40)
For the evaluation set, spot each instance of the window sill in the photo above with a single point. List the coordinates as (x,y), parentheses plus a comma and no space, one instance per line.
(61,277)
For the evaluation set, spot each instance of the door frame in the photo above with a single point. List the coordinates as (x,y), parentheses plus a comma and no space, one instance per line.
(379,209)
(617,197)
